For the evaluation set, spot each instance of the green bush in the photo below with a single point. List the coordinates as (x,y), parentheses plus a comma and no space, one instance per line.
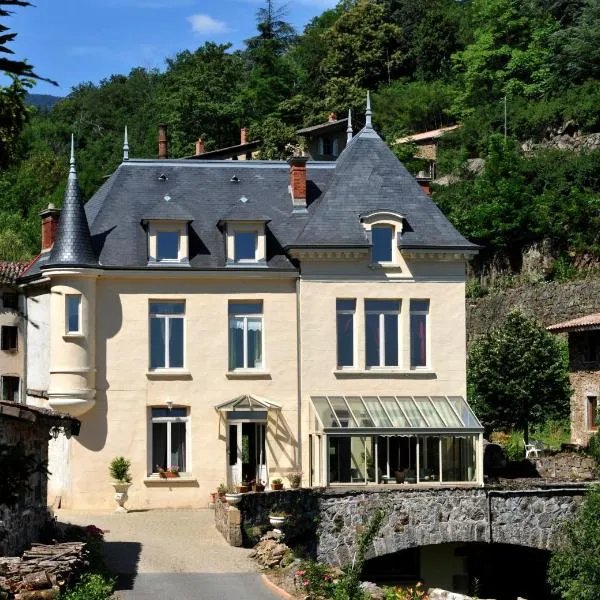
(593,449)
(119,469)
(474,289)
(92,586)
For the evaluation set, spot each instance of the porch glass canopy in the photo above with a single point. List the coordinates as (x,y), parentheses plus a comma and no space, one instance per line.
(394,414)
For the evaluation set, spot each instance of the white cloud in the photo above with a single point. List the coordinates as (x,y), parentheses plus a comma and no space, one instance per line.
(204,24)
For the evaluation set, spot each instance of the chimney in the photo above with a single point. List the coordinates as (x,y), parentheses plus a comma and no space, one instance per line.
(243,134)
(49,225)
(163,144)
(332,117)
(199,146)
(298,181)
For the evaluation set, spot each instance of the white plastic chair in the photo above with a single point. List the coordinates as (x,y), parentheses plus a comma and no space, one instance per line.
(531,449)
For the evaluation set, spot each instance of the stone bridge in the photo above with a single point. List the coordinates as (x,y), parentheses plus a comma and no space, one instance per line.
(418,517)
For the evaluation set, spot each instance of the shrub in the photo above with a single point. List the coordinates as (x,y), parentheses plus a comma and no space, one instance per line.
(92,586)
(593,449)
(406,593)
(119,469)
(314,579)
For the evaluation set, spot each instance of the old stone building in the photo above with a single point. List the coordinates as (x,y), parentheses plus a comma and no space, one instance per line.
(584,367)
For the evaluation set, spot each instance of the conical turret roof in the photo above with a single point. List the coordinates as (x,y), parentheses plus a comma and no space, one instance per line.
(73,243)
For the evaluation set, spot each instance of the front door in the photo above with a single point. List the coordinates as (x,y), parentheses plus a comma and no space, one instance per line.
(246,452)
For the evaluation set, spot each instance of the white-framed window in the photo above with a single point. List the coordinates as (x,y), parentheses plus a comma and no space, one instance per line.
(73,314)
(9,338)
(419,333)
(169,438)
(168,243)
(10,387)
(345,313)
(167,246)
(382,333)
(245,335)
(167,334)
(382,237)
(245,244)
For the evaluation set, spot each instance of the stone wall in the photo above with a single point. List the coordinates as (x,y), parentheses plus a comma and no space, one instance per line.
(565,466)
(21,524)
(549,303)
(418,517)
(228,521)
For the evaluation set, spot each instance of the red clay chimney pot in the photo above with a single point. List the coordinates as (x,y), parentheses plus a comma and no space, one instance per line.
(50,218)
(163,143)
(199,146)
(243,133)
(332,117)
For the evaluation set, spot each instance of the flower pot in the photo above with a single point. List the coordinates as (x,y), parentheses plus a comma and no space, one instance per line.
(233,498)
(294,485)
(277,486)
(242,489)
(121,495)
(276,521)
(169,475)
(258,487)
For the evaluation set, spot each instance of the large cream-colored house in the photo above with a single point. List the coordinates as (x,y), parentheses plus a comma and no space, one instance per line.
(248,320)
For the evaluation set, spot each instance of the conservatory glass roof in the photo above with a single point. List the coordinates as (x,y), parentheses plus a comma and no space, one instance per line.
(389,413)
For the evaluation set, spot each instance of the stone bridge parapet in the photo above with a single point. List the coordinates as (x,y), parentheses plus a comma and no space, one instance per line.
(330,518)
(526,517)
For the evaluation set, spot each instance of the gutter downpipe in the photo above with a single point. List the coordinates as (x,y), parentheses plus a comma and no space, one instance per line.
(299,376)
(491,493)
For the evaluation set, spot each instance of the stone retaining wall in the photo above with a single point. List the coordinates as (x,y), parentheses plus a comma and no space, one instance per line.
(228,521)
(566,466)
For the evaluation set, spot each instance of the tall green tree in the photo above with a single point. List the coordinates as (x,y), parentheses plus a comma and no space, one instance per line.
(574,569)
(517,376)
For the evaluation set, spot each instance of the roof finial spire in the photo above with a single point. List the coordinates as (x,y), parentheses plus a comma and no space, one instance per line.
(368,114)
(72,161)
(125,146)
(349,129)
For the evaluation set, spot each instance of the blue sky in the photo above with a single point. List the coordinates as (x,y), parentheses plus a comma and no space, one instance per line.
(72,41)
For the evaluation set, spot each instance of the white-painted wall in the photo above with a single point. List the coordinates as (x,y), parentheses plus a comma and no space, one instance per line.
(38,344)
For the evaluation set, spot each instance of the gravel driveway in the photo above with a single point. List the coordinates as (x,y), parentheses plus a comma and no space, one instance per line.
(172,554)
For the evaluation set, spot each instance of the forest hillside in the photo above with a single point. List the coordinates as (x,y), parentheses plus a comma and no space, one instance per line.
(427,64)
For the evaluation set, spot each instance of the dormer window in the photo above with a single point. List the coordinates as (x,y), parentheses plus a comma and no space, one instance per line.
(245,245)
(167,245)
(384,229)
(381,238)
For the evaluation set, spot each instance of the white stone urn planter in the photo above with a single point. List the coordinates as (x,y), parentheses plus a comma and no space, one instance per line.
(277,521)
(121,495)
(233,498)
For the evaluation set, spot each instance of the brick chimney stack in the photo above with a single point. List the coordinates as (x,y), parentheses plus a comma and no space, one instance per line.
(332,117)
(49,225)
(298,181)
(199,146)
(243,135)
(163,143)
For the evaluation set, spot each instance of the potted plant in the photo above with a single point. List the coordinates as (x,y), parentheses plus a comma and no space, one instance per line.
(295,478)
(119,471)
(277,518)
(172,471)
(243,487)
(221,491)
(277,484)
(257,486)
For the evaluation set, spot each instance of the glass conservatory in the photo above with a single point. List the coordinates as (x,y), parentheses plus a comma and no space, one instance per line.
(361,440)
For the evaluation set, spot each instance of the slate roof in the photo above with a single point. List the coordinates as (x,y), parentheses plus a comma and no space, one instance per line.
(368,177)
(323,127)
(73,243)
(585,323)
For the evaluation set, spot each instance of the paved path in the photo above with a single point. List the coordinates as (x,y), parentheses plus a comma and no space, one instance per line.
(173,555)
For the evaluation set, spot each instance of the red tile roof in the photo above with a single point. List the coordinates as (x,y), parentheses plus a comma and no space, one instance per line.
(11,271)
(580,324)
